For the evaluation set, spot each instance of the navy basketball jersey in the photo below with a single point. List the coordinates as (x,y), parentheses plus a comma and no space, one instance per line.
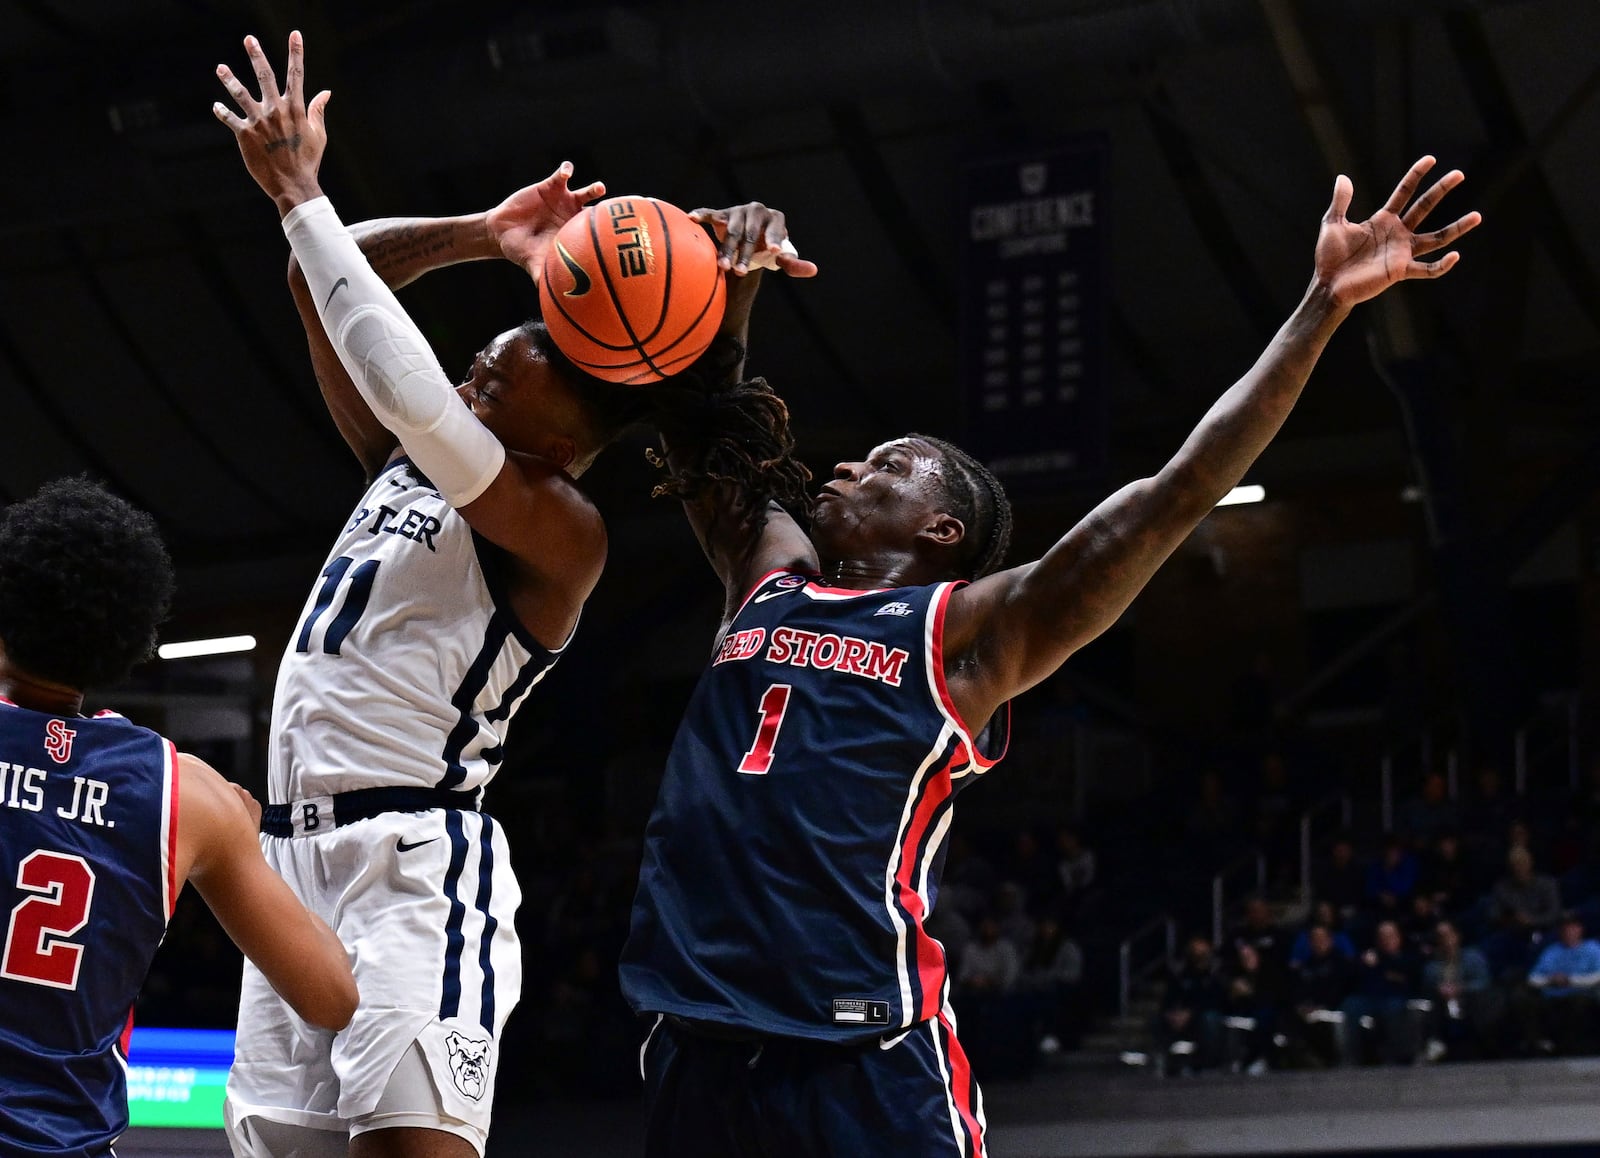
(88,829)
(796,845)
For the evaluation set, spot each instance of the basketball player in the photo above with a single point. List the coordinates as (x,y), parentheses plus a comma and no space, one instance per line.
(452,589)
(101,823)
(861,680)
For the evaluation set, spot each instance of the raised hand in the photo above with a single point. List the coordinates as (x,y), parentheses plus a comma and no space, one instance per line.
(753,236)
(526,222)
(280,138)
(1359,260)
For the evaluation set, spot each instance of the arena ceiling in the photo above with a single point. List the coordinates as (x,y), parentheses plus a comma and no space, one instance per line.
(146,334)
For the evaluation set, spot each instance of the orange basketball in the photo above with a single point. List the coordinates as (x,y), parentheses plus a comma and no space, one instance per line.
(631,291)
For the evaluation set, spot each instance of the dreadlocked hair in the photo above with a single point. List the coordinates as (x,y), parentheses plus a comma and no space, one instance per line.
(735,435)
(979,501)
(738,436)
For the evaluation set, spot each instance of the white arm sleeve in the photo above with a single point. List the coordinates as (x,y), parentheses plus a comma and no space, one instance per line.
(389,360)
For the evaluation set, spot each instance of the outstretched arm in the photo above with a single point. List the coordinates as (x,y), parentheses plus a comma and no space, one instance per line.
(218,851)
(743,535)
(524,504)
(1007,632)
(402,249)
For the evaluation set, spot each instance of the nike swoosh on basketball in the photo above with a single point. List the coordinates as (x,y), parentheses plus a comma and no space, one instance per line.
(401,845)
(580,279)
(766,595)
(337,286)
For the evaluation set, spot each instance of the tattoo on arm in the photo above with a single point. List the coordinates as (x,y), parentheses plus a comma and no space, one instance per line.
(402,246)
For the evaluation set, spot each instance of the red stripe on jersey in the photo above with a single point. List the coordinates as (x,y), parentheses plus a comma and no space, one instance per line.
(927,956)
(127,1035)
(936,666)
(172,830)
(961,1085)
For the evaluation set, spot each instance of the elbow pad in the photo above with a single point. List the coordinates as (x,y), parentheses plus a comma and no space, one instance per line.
(389,360)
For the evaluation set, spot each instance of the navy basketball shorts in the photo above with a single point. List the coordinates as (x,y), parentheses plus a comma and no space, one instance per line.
(912,1096)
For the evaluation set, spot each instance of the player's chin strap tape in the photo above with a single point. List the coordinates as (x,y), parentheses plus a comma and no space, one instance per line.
(389,360)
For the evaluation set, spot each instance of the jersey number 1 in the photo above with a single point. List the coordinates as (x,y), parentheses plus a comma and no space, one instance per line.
(36,947)
(758,760)
(355,602)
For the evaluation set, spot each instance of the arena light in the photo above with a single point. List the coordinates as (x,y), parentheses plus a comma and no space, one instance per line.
(1240,495)
(222,645)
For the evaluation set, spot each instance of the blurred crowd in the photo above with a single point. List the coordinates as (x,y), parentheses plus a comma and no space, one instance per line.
(1467,932)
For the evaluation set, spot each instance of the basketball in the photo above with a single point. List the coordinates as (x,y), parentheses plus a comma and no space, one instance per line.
(631,291)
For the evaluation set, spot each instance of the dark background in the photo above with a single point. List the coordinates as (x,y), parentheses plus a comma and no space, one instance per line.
(1424,577)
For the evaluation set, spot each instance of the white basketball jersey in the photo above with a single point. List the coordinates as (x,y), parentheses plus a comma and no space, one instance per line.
(406,664)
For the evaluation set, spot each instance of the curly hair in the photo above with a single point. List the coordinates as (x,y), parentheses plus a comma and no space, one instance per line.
(979,501)
(85,583)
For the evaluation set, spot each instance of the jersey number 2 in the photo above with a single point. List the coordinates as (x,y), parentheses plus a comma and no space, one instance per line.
(758,760)
(355,602)
(36,947)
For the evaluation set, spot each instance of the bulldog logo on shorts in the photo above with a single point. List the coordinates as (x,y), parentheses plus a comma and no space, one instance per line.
(469,1064)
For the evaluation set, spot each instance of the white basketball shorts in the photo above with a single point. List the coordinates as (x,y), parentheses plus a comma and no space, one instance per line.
(425,904)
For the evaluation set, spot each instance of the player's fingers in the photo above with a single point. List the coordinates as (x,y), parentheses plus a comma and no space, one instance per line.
(737,225)
(265,77)
(1425,243)
(795,266)
(590,192)
(1343,190)
(237,90)
(777,229)
(747,234)
(1407,188)
(317,112)
(1433,268)
(1424,205)
(294,73)
(227,116)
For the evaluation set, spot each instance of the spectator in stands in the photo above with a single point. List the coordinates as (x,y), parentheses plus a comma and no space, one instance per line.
(1011,915)
(1317,990)
(1377,1020)
(1420,928)
(1187,1028)
(1075,867)
(1556,1011)
(1053,977)
(1340,880)
(1276,807)
(1250,1009)
(1392,878)
(1524,899)
(1324,917)
(991,964)
(1033,869)
(1430,812)
(1258,931)
(1444,875)
(1466,1006)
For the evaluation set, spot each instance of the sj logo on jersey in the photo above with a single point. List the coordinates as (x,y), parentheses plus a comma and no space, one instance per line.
(58,741)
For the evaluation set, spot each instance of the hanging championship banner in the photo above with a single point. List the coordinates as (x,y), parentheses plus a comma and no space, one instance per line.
(1033,314)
